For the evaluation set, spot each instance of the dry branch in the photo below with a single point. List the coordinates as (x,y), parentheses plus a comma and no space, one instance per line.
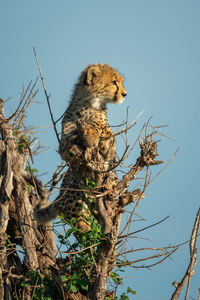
(110,209)
(47,96)
(190,269)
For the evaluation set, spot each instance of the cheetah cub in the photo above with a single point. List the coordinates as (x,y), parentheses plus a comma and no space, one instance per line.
(86,140)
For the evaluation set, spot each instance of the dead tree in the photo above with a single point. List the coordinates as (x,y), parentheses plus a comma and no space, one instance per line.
(24,245)
(28,247)
(27,250)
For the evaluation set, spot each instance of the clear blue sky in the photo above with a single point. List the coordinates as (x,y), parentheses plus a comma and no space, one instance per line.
(156,46)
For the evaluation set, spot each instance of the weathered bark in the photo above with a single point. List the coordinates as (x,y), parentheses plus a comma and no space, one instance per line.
(17,227)
(111,211)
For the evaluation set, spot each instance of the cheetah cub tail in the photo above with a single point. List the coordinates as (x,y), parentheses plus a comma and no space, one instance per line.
(44,214)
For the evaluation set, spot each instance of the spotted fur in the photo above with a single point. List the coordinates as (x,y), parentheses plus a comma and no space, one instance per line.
(87,141)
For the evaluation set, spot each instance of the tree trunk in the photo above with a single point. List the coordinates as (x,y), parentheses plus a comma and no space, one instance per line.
(18,230)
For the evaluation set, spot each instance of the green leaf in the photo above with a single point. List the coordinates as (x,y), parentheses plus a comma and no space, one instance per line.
(115,278)
(58,222)
(63,277)
(74,276)
(90,199)
(124,297)
(72,221)
(29,188)
(129,290)
(74,289)
(34,170)
(9,241)
(93,183)
(68,285)
(60,236)
(83,284)
(69,232)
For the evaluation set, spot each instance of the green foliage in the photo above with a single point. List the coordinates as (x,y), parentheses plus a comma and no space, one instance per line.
(29,188)
(22,141)
(76,270)
(39,287)
(8,242)
(83,251)
(90,183)
(128,291)
(115,278)
(31,170)
(124,296)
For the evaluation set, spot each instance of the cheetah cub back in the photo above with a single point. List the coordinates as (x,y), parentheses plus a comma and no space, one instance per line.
(86,139)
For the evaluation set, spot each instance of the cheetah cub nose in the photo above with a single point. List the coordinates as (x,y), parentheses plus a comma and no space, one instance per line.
(124,94)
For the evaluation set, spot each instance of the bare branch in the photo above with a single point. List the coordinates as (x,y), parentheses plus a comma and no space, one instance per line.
(147,227)
(47,96)
(190,269)
(167,164)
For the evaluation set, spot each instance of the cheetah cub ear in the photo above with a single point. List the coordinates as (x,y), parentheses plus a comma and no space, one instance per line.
(92,74)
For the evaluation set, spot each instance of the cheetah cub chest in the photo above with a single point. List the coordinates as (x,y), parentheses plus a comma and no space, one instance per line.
(85,123)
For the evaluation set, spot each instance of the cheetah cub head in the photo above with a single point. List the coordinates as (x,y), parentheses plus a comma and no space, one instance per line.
(102,84)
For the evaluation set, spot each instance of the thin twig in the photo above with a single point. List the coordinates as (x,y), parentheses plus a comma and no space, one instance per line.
(165,165)
(166,254)
(147,227)
(47,96)
(79,251)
